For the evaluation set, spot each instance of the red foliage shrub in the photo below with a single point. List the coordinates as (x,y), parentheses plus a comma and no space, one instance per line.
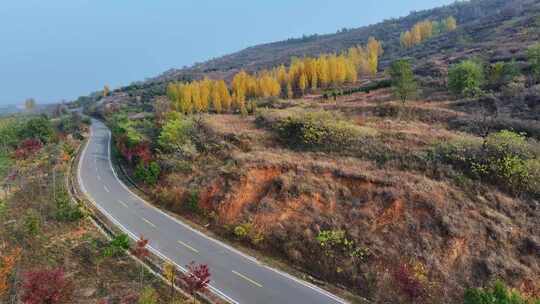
(46,287)
(197,278)
(139,152)
(140,249)
(27,148)
(131,298)
(408,284)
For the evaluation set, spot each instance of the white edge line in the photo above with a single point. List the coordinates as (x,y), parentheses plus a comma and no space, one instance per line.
(252,259)
(247,278)
(188,246)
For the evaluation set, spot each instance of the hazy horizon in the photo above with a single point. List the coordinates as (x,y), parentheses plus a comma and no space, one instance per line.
(63,49)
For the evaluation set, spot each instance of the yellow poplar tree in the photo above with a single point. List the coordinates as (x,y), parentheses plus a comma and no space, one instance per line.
(324,73)
(216,99)
(302,83)
(196,97)
(374,50)
(224,94)
(204,87)
(450,23)
(239,87)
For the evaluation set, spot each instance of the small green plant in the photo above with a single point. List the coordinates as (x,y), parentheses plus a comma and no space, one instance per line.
(148,296)
(32,222)
(336,241)
(65,209)
(242,231)
(3,208)
(466,78)
(148,174)
(533,55)
(498,293)
(191,203)
(117,246)
(502,73)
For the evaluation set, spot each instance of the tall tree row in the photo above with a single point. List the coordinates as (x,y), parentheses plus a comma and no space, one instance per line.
(426,29)
(200,96)
(303,74)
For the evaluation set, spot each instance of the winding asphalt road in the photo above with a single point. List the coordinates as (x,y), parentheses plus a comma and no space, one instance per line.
(236,277)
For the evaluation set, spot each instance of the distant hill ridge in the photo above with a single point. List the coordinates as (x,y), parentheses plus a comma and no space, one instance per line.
(271,54)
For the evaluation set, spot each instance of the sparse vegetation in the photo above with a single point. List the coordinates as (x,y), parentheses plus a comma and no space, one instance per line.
(320,131)
(498,293)
(505,158)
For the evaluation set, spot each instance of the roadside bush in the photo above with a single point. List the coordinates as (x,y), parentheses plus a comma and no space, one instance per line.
(117,246)
(504,158)
(3,208)
(148,296)
(498,293)
(32,222)
(191,202)
(66,210)
(176,136)
(336,242)
(47,287)
(149,174)
(242,231)
(320,131)
(37,128)
(466,78)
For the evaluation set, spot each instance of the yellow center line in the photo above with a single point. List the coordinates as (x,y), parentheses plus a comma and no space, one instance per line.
(149,223)
(247,279)
(188,247)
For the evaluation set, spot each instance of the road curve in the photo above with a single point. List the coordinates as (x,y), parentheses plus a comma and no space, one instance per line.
(236,277)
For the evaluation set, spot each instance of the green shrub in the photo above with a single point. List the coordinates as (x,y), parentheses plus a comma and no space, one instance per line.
(466,78)
(502,73)
(38,128)
(66,210)
(191,203)
(148,174)
(504,158)
(320,131)
(498,293)
(533,55)
(32,222)
(3,208)
(176,135)
(336,241)
(117,246)
(242,231)
(148,296)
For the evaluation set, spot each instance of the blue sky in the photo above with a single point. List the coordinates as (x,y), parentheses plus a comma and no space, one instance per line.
(61,49)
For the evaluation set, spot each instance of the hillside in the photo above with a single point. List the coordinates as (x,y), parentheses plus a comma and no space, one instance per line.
(490,29)
(478,21)
(418,183)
